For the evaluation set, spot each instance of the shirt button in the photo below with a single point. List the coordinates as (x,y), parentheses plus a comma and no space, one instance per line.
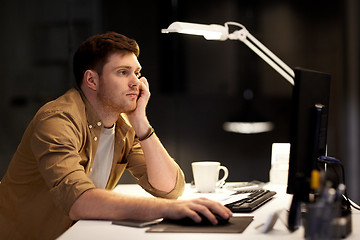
(90,126)
(95,139)
(99,124)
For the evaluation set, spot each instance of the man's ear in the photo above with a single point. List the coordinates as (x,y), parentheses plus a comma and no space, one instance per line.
(91,79)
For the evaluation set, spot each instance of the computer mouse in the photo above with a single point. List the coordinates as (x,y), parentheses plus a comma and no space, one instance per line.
(187,221)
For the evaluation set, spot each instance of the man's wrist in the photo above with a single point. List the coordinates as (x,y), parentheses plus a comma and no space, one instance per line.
(140,127)
(148,134)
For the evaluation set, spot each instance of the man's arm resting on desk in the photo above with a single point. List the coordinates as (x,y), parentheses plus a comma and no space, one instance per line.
(161,168)
(104,204)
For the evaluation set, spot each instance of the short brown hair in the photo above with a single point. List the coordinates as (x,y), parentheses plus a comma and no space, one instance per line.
(93,52)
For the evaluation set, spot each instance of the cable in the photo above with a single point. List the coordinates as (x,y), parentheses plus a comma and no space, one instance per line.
(332,160)
(352,204)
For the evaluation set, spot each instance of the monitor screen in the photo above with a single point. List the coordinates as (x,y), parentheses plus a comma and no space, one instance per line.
(308,128)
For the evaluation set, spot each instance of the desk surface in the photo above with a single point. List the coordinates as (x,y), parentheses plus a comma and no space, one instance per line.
(95,229)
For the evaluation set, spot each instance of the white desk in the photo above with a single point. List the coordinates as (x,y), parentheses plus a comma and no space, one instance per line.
(92,229)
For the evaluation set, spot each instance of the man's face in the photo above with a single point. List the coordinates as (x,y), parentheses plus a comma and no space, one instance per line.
(119,84)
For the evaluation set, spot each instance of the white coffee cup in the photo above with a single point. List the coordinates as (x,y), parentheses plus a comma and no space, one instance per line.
(206,175)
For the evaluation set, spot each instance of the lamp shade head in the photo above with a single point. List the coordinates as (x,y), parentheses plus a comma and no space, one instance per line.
(209,32)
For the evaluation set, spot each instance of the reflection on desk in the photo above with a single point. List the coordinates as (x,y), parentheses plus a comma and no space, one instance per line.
(97,229)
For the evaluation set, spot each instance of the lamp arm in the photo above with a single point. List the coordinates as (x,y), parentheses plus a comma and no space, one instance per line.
(254,44)
(273,56)
(269,61)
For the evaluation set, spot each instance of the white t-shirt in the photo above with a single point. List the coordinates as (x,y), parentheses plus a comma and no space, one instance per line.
(103,158)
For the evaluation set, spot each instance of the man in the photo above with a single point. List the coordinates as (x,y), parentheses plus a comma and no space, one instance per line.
(76,148)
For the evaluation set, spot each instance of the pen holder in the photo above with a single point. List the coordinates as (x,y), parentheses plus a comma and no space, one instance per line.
(321,221)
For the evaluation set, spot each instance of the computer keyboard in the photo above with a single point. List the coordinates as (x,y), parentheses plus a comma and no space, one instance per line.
(256,198)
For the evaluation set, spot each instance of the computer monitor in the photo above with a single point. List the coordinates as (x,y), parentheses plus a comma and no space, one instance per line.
(308,132)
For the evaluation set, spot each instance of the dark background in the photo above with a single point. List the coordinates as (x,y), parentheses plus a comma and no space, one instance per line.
(196,84)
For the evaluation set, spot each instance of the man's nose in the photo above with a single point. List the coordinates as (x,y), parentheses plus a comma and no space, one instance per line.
(135,81)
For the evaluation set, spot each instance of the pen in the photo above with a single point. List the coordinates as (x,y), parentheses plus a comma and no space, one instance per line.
(315,179)
(340,190)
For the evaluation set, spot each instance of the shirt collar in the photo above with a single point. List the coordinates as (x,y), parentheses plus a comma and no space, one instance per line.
(92,117)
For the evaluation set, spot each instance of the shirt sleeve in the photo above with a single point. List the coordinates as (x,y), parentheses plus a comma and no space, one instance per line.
(55,143)
(137,167)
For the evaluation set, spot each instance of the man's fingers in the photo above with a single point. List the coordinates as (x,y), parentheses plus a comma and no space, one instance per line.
(145,81)
(206,208)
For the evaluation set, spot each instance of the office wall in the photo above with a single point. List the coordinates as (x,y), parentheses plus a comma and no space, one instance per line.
(196,84)
(36,44)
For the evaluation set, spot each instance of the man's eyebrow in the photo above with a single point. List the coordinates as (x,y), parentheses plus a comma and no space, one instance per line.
(127,67)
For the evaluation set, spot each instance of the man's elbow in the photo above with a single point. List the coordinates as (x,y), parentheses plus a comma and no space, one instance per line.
(74,212)
(79,209)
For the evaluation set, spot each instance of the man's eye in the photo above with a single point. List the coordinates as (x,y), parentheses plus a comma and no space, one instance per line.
(122,72)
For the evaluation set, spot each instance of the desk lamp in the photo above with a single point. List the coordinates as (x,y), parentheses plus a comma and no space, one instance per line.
(221,33)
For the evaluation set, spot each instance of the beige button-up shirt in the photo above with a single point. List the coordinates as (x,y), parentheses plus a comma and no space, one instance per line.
(50,168)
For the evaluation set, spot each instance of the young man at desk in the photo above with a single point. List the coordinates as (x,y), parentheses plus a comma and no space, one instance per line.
(76,148)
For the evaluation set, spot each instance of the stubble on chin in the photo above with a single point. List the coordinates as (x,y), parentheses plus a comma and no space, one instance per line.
(119,107)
